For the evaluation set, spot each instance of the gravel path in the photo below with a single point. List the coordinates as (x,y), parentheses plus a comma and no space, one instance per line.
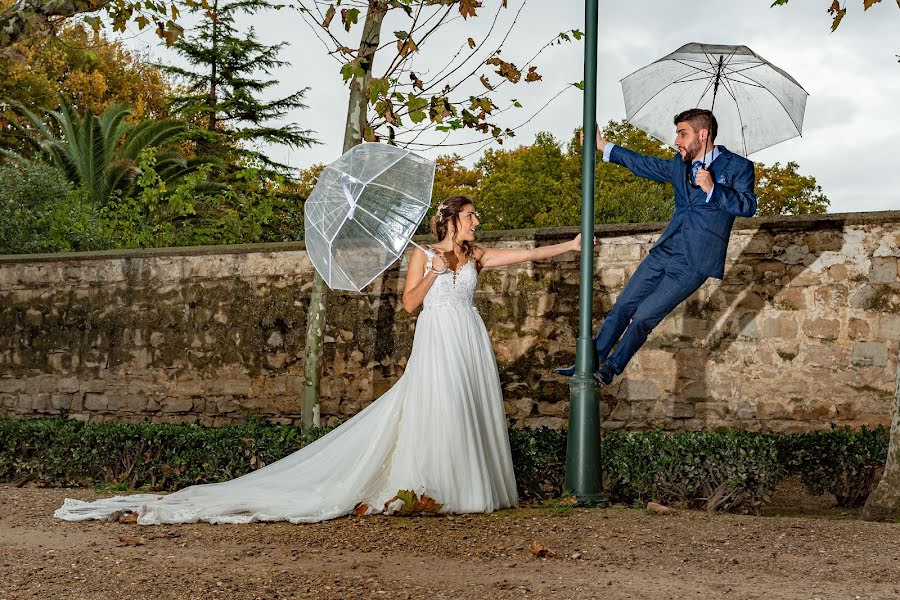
(602,553)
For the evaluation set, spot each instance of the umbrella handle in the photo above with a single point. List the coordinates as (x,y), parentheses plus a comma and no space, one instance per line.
(349,196)
(428,251)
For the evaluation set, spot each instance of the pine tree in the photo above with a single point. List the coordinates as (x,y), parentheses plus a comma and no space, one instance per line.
(222,89)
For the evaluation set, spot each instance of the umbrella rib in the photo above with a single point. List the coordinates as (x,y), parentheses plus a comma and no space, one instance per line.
(650,99)
(737,106)
(790,116)
(413,198)
(705,90)
(740,79)
(375,237)
(681,62)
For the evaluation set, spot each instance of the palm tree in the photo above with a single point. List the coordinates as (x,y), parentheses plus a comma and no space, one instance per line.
(101,153)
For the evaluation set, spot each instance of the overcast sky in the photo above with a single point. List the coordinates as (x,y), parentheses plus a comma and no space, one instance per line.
(851,132)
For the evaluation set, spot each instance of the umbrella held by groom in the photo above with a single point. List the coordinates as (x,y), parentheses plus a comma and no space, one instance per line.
(712,186)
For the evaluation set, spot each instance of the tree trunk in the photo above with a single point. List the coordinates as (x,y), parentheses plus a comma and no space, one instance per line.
(353,135)
(884,502)
(214,75)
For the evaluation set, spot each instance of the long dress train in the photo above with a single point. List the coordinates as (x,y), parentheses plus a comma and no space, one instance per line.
(440,430)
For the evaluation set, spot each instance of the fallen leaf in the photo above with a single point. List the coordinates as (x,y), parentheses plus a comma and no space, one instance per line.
(660,509)
(540,550)
(361,509)
(122,516)
(427,504)
(124,540)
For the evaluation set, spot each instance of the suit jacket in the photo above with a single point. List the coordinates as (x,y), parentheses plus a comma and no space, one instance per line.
(701,227)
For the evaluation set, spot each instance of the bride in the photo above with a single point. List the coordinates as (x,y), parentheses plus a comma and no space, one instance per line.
(440,430)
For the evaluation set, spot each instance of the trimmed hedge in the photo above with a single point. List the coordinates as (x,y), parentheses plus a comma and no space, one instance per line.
(730,470)
(842,461)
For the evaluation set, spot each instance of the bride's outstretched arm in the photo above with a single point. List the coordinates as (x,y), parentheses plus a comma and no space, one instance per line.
(498,257)
(418,282)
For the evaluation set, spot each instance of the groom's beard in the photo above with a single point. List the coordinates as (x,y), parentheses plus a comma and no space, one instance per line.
(692,151)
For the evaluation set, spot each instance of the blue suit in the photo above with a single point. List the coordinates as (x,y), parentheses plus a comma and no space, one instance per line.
(692,247)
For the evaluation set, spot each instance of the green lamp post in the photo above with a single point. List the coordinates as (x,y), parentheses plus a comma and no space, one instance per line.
(583,467)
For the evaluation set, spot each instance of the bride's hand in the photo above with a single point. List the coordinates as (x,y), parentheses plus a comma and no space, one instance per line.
(438,262)
(576,243)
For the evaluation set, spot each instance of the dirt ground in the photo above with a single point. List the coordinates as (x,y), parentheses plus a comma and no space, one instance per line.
(601,553)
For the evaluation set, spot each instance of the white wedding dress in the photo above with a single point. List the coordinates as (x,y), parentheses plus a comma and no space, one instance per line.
(441,431)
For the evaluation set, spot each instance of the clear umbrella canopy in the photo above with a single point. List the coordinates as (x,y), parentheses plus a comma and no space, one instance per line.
(363,211)
(756,104)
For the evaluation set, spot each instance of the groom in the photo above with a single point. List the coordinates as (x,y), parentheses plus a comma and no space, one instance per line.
(712,187)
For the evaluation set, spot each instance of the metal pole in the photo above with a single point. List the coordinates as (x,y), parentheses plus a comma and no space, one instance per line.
(583,467)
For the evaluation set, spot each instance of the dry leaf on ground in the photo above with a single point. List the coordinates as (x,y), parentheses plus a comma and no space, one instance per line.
(540,550)
(660,509)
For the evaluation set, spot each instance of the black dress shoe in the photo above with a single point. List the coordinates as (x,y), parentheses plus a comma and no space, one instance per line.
(604,375)
(565,371)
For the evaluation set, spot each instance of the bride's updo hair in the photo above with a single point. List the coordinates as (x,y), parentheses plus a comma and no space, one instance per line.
(448,212)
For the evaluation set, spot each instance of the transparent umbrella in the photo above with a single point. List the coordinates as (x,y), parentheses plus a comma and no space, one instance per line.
(363,211)
(759,105)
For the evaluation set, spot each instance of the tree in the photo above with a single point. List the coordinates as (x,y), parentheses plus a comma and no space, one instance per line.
(540,185)
(837,11)
(783,191)
(884,502)
(398,105)
(32,18)
(518,186)
(222,90)
(81,68)
(100,153)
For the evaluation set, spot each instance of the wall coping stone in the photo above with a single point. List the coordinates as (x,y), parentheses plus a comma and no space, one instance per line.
(780,223)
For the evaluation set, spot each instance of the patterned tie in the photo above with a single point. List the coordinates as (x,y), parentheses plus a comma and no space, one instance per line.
(695,166)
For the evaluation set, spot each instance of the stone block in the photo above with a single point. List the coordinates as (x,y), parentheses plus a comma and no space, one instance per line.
(826,356)
(883,270)
(860,329)
(613,277)
(622,411)
(780,327)
(889,328)
(96,402)
(832,297)
(823,329)
(640,389)
(869,354)
(710,410)
(681,410)
(748,327)
(553,409)
(177,404)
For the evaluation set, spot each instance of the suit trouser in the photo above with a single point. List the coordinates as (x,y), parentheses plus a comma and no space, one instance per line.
(661,282)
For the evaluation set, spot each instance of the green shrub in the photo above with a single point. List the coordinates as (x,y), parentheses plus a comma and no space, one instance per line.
(30,193)
(841,461)
(539,460)
(730,470)
(67,452)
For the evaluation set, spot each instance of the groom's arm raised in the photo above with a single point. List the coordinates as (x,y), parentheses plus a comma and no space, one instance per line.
(649,167)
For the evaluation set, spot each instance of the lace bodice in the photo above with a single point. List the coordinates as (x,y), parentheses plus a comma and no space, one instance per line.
(447,292)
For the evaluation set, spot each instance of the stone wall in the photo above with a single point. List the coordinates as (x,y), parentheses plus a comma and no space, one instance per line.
(803,331)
